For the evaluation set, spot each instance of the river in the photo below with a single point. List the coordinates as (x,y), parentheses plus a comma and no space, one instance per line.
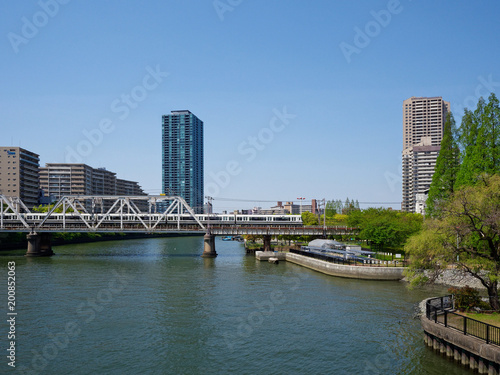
(154,306)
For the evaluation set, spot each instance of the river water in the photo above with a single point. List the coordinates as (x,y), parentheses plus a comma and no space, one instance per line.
(154,306)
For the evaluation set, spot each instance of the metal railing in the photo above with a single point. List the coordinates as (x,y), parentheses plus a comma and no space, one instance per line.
(440,310)
(349,262)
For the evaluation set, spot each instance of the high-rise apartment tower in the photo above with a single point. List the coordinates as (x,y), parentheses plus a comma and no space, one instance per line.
(182,157)
(60,179)
(19,174)
(423,124)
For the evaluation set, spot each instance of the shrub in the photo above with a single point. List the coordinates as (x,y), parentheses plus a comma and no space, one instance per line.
(467,298)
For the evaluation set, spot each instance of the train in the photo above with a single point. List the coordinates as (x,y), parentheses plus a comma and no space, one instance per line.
(214,219)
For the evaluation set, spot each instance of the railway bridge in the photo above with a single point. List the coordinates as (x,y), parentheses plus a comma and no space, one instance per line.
(144,214)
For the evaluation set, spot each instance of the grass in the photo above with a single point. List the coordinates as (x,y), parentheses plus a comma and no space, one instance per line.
(493,318)
(474,328)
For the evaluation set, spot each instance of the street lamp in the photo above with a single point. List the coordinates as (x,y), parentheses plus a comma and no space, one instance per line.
(324,213)
(209,209)
(301,199)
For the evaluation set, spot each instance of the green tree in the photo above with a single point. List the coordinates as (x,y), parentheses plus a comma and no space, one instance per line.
(446,170)
(480,142)
(356,205)
(47,208)
(385,227)
(251,237)
(467,235)
(308,218)
(330,210)
(469,131)
(338,206)
(349,206)
(492,122)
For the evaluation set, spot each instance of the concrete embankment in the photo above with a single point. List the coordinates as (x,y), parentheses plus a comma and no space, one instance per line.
(465,349)
(340,270)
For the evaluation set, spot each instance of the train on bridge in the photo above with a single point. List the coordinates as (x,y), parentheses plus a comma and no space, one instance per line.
(183,219)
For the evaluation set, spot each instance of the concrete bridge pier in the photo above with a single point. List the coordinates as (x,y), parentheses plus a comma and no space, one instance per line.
(209,246)
(267,242)
(39,245)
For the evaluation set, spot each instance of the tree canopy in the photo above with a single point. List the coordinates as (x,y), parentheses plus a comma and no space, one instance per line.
(446,170)
(467,235)
(479,137)
(385,227)
(308,218)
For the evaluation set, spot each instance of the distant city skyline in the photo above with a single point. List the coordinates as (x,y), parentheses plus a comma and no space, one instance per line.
(299,99)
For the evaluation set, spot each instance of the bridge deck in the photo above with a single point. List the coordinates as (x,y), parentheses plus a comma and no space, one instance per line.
(125,214)
(216,230)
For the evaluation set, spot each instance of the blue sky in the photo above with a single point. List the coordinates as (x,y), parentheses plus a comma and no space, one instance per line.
(88,81)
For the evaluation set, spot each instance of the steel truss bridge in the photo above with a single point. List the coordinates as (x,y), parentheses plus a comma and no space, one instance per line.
(146,214)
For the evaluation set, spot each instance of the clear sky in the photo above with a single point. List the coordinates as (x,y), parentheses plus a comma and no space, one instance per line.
(298,98)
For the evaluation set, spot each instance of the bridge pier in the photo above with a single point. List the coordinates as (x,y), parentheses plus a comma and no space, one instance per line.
(267,242)
(209,246)
(39,245)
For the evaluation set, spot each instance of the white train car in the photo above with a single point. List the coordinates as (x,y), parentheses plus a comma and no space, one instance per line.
(221,219)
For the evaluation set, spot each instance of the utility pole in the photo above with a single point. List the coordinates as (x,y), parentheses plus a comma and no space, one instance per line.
(209,209)
(324,213)
(301,199)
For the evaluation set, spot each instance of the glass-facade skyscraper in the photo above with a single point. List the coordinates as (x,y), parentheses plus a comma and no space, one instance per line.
(182,157)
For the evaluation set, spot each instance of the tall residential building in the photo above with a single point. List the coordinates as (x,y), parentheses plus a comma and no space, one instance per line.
(182,157)
(125,187)
(59,179)
(423,125)
(19,174)
(103,182)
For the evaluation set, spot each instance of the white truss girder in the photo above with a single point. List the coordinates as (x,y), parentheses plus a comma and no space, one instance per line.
(125,207)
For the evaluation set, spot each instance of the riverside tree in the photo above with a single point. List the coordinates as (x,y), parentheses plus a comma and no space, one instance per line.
(385,227)
(446,170)
(480,142)
(466,234)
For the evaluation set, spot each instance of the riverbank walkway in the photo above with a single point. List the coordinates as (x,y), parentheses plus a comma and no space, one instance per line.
(468,341)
